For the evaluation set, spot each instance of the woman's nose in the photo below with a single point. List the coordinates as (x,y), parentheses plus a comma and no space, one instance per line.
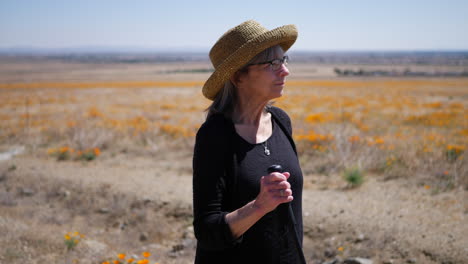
(283,71)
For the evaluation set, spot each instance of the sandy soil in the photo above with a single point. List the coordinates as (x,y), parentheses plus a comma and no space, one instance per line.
(396,221)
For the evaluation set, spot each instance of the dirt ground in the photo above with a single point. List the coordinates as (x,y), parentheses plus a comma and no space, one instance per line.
(392,221)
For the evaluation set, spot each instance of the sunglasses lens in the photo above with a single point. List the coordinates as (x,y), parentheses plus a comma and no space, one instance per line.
(276,64)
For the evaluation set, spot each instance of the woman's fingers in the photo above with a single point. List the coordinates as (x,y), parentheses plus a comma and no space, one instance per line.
(275,190)
(284,192)
(276,176)
(279,185)
(281,192)
(277,181)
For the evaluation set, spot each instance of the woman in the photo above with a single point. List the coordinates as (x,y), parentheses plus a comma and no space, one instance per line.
(240,210)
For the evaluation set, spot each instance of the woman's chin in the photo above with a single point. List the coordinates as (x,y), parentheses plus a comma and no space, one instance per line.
(280,92)
(277,94)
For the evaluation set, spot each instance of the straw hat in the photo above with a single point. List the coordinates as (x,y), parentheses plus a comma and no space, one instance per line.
(238,46)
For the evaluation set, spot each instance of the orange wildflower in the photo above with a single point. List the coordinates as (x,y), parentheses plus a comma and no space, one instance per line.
(94,112)
(458,149)
(64,149)
(354,139)
(71,124)
(97,151)
(379,140)
(121,256)
(146,254)
(51,151)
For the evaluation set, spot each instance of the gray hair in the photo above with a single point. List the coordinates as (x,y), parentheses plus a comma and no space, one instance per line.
(226,99)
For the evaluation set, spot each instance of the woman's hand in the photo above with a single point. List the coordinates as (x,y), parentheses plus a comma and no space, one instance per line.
(274,190)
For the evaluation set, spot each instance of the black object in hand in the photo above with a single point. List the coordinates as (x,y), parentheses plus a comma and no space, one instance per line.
(278,168)
(275,168)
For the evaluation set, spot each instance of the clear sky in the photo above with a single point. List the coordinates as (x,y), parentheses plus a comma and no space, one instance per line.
(190,24)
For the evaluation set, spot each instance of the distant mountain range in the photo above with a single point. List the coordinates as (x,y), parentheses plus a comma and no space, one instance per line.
(154,55)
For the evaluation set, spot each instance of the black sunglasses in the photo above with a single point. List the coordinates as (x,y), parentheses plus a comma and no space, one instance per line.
(274,64)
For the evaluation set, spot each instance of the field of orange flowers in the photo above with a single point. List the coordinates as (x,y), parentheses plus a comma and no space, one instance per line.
(391,128)
(395,127)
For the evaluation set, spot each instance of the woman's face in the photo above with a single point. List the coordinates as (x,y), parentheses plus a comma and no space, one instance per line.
(262,82)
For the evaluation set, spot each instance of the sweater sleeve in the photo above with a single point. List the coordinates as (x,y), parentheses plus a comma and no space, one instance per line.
(209,161)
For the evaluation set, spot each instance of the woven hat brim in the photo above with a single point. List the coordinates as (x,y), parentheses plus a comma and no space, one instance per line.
(284,36)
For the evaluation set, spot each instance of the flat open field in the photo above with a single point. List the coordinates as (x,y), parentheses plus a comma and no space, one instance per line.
(104,150)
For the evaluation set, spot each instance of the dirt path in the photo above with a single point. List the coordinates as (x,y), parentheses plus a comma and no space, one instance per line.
(386,221)
(395,215)
(149,178)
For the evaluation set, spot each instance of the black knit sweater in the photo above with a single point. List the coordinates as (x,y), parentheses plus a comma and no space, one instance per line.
(226,176)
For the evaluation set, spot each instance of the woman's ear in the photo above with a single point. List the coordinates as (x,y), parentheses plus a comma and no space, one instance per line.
(236,78)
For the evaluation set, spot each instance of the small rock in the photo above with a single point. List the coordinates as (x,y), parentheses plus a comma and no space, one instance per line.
(319,228)
(335,261)
(178,247)
(7,199)
(95,247)
(63,193)
(357,261)
(360,238)
(144,236)
(329,253)
(3,177)
(189,243)
(155,247)
(412,260)
(188,233)
(173,254)
(104,210)
(27,191)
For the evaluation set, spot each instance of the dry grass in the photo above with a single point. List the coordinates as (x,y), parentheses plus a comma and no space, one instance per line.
(398,128)
(37,212)
(410,129)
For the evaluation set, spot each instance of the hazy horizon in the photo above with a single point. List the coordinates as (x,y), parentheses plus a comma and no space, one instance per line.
(193,50)
(335,25)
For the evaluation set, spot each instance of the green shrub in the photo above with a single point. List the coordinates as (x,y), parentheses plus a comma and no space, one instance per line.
(354,177)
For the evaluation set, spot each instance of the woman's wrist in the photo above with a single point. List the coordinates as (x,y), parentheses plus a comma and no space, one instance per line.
(242,219)
(258,208)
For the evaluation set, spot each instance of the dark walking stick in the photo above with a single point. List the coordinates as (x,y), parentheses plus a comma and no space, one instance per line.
(278,168)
